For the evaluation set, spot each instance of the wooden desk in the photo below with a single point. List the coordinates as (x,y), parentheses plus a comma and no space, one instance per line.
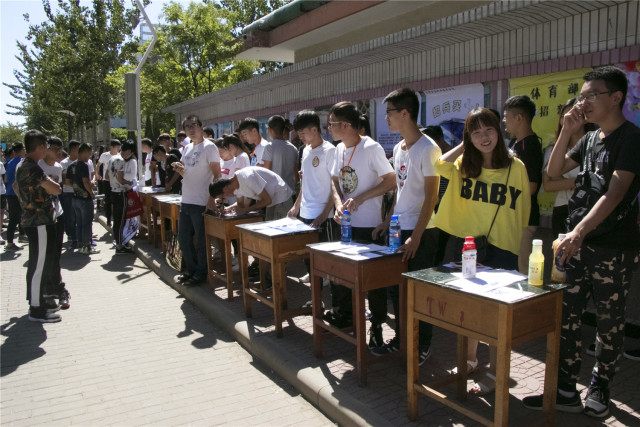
(277,248)
(488,319)
(147,222)
(360,275)
(223,228)
(168,207)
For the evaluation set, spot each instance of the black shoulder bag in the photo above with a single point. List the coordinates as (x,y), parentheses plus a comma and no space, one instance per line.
(590,186)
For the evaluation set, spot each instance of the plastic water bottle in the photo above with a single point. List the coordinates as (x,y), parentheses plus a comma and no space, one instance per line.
(345,235)
(536,264)
(394,234)
(558,274)
(469,258)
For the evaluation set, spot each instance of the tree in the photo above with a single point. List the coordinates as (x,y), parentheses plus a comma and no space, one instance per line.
(248,11)
(193,56)
(70,56)
(11,133)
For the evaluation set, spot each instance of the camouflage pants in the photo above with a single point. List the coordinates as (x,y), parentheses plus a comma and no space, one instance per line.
(605,274)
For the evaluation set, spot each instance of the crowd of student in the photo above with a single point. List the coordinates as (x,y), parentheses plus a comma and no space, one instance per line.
(482,187)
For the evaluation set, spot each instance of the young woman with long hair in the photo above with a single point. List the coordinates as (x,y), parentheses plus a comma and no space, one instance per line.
(488,195)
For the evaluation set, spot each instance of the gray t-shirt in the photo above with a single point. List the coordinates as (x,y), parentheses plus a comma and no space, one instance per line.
(283,156)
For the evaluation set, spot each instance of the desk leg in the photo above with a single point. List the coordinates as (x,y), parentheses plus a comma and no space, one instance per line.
(163,235)
(244,270)
(505,319)
(229,268)
(282,267)
(277,284)
(463,343)
(207,245)
(402,325)
(361,333)
(316,309)
(551,369)
(413,370)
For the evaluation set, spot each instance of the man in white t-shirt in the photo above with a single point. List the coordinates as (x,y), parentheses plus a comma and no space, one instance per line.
(315,203)
(103,183)
(259,184)
(249,130)
(361,175)
(281,156)
(122,171)
(67,195)
(53,170)
(414,158)
(199,166)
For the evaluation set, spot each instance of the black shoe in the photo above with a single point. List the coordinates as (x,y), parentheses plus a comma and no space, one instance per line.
(391,346)
(65,298)
(597,402)
(192,281)
(424,353)
(42,316)
(124,250)
(50,305)
(566,404)
(337,319)
(375,336)
(12,247)
(182,278)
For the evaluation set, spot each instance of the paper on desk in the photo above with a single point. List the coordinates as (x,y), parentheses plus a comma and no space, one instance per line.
(334,246)
(486,281)
(455,265)
(508,294)
(268,231)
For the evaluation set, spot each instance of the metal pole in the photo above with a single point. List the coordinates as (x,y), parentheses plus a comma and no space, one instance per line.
(138,69)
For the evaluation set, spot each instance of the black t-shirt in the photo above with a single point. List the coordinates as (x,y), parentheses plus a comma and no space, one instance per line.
(618,151)
(529,150)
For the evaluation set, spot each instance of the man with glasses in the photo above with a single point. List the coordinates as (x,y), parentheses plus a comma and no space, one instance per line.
(361,175)
(199,166)
(598,264)
(414,159)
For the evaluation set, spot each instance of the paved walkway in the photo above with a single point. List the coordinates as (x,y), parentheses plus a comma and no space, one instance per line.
(331,383)
(130,351)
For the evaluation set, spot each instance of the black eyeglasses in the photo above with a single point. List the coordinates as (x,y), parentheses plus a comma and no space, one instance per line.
(393,109)
(590,97)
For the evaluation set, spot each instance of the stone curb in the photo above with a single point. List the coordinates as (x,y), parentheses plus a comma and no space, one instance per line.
(337,404)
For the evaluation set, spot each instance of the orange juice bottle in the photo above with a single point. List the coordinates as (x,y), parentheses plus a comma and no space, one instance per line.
(557,272)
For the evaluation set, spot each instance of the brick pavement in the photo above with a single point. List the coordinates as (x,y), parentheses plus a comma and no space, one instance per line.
(130,351)
(384,399)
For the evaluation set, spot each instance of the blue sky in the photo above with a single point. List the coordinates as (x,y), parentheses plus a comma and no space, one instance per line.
(14,28)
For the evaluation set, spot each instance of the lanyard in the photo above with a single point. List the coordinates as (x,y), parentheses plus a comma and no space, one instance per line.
(345,149)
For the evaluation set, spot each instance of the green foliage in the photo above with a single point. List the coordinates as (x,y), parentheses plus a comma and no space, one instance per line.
(120,134)
(70,56)
(11,133)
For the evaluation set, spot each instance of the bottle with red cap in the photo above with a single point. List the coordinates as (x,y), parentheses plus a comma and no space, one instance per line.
(469,258)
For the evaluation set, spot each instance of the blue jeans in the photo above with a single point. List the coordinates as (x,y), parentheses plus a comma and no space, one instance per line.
(193,250)
(84,217)
(69,216)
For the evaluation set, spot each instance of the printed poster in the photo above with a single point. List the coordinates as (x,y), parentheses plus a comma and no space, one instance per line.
(631,109)
(448,108)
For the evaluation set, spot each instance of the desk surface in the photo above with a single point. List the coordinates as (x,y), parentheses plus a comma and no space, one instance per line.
(151,190)
(234,217)
(443,276)
(277,228)
(169,198)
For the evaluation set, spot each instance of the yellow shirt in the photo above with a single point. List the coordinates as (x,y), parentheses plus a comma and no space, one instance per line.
(469,204)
